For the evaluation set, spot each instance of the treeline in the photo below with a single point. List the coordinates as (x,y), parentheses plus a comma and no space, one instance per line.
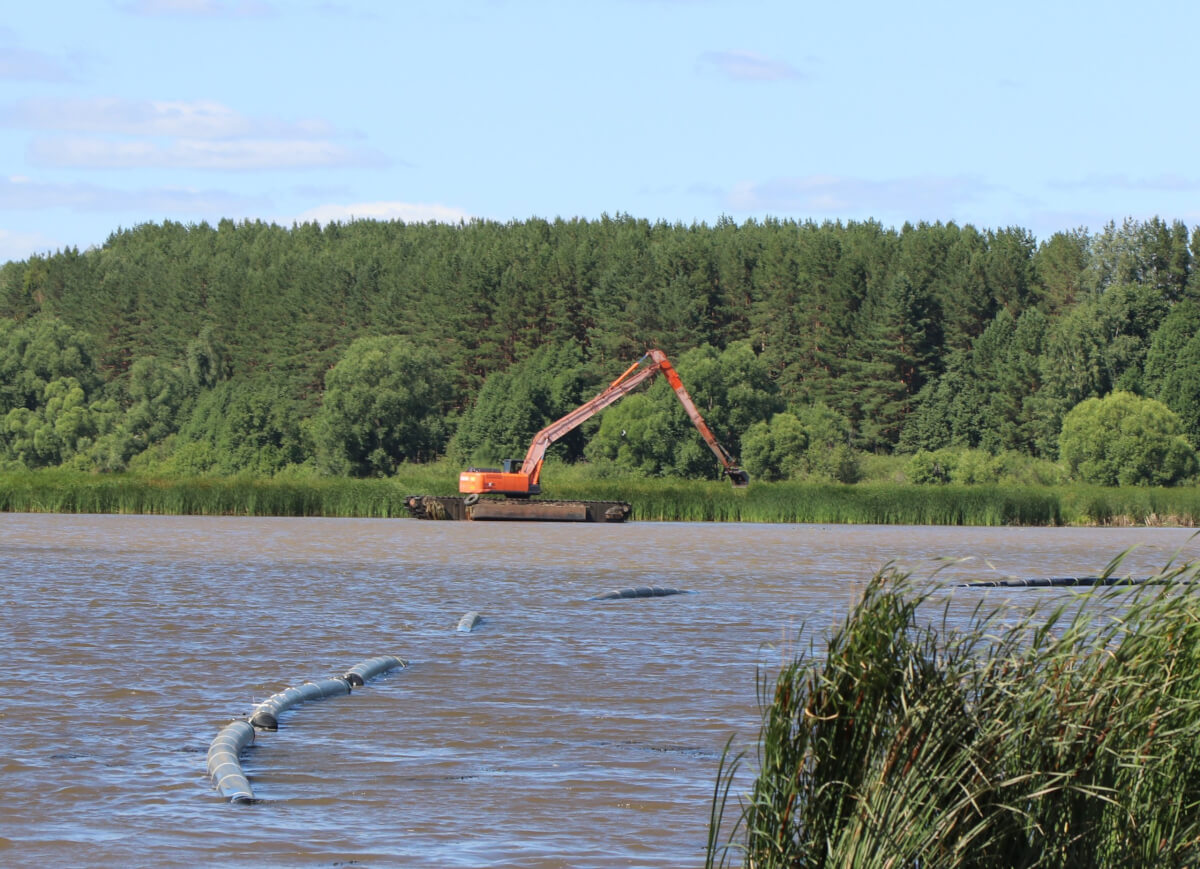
(352,348)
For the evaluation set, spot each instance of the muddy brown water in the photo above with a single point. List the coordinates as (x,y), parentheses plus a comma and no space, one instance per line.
(560,732)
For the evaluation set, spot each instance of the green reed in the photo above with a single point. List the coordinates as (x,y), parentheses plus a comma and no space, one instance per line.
(1064,738)
(653,499)
(865,503)
(64,492)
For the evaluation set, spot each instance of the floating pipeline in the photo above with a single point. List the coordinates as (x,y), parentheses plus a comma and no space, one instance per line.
(266,714)
(468,622)
(358,675)
(640,591)
(1053,582)
(224,765)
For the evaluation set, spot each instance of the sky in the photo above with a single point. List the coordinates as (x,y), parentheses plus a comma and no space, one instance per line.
(1041,114)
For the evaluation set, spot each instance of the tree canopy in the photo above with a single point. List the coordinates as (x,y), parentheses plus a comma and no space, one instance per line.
(353,347)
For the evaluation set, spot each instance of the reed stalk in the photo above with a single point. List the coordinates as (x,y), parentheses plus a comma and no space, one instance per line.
(1065,738)
(654,500)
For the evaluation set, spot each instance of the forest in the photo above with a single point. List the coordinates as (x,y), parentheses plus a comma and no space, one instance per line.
(811,348)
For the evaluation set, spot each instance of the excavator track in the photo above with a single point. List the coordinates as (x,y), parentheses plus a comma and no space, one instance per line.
(474,508)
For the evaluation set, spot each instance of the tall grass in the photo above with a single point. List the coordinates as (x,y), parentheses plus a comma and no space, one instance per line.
(64,492)
(652,499)
(873,503)
(1068,738)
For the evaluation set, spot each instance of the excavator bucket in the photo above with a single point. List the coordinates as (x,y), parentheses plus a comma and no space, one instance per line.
(739,478)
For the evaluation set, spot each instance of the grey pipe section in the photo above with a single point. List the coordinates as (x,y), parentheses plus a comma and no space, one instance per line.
(640,591)
(1053,582)
(468,622)
(225,768)
(358,675)
(266,714)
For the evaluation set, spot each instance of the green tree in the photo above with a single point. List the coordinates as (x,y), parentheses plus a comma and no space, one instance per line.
(650,433)
(241,425)
(516,403)
(811,443)
(63,425)
(387,401)
(1059,265)
(36,352)
(1123,439)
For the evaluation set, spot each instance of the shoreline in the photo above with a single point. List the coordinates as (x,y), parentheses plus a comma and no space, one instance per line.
(652,500)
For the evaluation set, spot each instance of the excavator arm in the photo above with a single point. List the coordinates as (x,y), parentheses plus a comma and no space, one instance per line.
(526,480)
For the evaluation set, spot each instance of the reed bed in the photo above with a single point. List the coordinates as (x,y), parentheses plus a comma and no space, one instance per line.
(663,500)
(1057,739)
(1132,505)
(864,503)
(61,492)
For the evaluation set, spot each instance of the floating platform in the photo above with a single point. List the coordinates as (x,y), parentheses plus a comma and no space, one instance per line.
(515,509)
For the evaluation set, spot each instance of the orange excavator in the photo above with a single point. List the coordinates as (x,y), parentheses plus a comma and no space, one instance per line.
(523,479)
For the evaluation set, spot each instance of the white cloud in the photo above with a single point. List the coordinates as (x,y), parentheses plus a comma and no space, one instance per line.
(22,245)
(1162,183)
(409,212)
(199,8)
(748,66)
(197,119)
(255,154)
(18,194)
(21,64)
(920,196)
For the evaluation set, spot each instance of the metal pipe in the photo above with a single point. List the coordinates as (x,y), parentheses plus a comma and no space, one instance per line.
(225,768)
(358,675)
(468,622)
(640,591)
(266,714)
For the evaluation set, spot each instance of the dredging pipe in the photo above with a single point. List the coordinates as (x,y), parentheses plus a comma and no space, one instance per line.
(1053,582)
(266,714)
(640,591)
(224,764)
(359,674)
(468,622)
(225,768)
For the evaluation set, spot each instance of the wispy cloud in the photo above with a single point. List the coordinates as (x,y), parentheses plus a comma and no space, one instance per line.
(238,155)
(199,8)
(176,134)
(197,119)
(1161,183)
(410,212)
(748,66)
(19,245)
(20,194)
(833,195)
(21,64)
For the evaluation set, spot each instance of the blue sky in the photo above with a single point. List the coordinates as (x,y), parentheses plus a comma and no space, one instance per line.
(1044,115)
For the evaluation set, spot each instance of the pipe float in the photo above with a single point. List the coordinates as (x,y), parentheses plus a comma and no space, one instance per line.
(468,622)
(225,768)
(358,675)
(640,591)
(1053,582)
(266,714)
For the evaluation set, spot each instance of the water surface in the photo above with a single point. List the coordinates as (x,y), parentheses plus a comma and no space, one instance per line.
(561,732)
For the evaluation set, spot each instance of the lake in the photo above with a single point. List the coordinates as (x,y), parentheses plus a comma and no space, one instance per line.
(560,732)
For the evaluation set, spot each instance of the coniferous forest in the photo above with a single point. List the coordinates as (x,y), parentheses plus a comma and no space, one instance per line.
(810,348)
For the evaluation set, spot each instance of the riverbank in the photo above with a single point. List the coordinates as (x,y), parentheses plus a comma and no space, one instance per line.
(652,500)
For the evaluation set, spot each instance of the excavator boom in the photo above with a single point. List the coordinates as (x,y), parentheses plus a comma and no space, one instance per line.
(525,480)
